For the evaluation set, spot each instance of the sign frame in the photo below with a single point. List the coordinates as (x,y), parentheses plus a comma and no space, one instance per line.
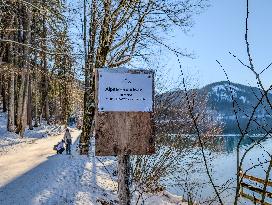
(124,91)
(121,132)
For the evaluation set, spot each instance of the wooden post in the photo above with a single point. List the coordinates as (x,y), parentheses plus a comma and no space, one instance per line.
(123,179)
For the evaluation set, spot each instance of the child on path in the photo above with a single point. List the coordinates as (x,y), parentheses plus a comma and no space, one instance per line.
(60,147)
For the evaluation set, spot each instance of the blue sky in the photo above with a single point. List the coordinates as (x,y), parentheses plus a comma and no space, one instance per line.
(220,30)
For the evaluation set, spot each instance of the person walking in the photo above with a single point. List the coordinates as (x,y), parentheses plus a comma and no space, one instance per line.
(68,141)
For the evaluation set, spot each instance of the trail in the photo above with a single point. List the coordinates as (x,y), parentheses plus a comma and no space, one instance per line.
(27,156)
(31,172)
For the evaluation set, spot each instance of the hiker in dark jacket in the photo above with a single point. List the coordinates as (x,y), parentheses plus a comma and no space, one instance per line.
(68,141)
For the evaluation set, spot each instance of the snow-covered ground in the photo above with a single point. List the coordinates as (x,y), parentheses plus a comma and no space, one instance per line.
(32,173)
(8,139)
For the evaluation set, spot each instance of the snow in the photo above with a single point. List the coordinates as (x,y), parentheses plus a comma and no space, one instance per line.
(225,87)
(33,174)
(8,139)
(224,92)
(218,88)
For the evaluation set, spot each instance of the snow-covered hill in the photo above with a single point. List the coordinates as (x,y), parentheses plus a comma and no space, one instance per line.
(222,94)
(220,97)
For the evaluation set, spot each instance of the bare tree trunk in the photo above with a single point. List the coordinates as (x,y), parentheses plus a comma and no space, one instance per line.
(60,111)
(89,104)
(29,105)
(23,95)
(1,84)
(45,71)
(24,112)
(64,106)
(34,37)
(84,138)
(3,93)
(21,75)
(46,107)
(123,179)
(89,111)
(27,58)
(11,105)
(11,83)
(20,102)
(16,94)
(36,111)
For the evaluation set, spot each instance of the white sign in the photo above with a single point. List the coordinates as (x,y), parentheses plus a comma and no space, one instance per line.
(124,92)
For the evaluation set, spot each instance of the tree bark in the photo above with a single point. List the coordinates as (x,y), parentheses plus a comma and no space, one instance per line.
(46,106)
(23,95)
(20,103)
(3,93)
(88,117)
(33,76)
(36,111)
(1,87)
(1,82)
(29,105)
(89,92)
(11,105)
(65,104)
(45,71)
(24,112)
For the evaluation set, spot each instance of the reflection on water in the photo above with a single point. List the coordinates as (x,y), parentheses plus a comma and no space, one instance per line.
(229,142)
(222,160)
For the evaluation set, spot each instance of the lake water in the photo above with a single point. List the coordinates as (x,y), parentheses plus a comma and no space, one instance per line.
(221,159)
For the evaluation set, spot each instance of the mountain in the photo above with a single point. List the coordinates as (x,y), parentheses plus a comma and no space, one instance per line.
(247,101)
(223,99)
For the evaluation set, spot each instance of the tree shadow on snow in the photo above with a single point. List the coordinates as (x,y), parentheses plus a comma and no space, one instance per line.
(97,182)
(51,182)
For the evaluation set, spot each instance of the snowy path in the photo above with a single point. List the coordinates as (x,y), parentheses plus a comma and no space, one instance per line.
(30,173)
(27,156)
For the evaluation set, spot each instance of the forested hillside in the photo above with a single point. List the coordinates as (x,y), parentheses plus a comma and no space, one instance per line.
(223,101)
(227,99)
(37,68)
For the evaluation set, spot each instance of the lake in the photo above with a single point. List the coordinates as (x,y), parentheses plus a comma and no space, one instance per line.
(221,159)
